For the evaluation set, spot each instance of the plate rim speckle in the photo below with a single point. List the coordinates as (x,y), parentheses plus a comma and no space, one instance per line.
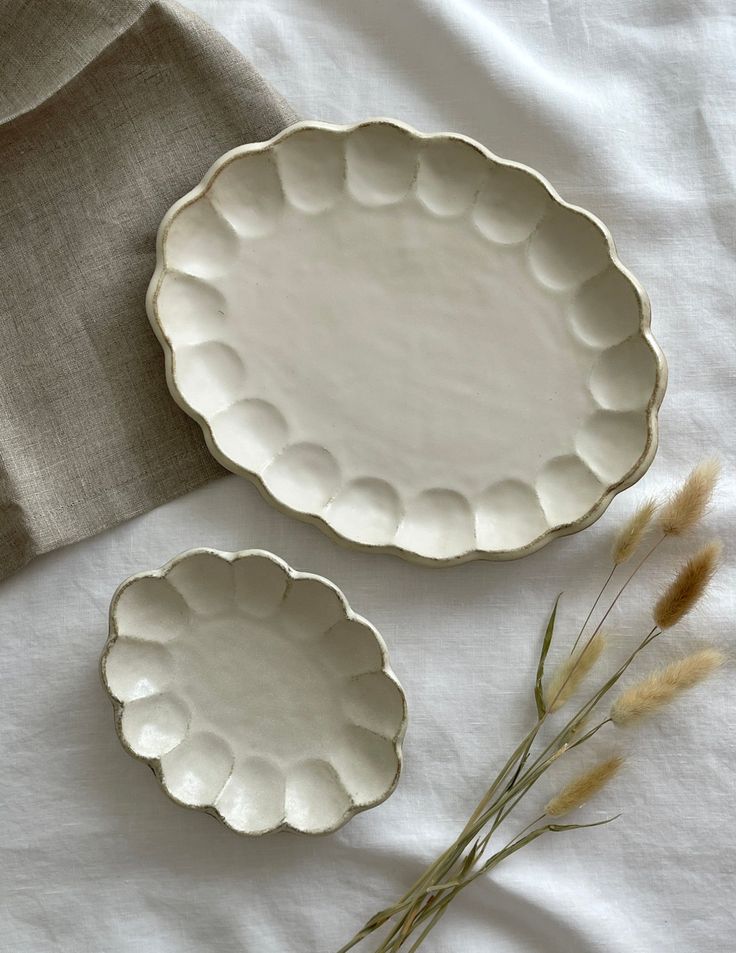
(553,532)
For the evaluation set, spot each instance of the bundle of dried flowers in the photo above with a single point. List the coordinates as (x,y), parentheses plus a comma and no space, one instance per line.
(409,921)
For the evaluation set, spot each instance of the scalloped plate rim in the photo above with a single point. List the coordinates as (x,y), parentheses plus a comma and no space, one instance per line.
(155,763)
(634,474)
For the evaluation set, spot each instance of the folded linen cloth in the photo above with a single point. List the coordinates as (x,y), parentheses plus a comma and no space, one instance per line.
(109,111)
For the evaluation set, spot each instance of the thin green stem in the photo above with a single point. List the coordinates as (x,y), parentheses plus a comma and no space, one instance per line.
(446,860)
(501,776)
(522,785)
(606,613)
(436,905)
(518,842)
(502,815)
(436,911)
(605,616)
(449,857)
(621,591)
(600,694)
(598,598)
(526,752)
(439,912)
(589,734)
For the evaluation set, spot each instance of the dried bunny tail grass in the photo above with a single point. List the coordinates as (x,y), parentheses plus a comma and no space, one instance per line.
(583,787)
(567,677)
(687,505)
(662,686)
(633,531)
(688,585)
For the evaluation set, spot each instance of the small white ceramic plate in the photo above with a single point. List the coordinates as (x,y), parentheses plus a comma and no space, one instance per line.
(254,692)
(406,340)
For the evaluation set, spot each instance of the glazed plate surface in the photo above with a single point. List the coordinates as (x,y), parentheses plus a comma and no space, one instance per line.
(254,692)
(407,340)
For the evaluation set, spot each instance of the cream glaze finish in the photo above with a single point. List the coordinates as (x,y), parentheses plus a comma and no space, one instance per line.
(406,340)
(254,692)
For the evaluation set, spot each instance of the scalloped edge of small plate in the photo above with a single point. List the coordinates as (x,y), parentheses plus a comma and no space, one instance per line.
(155,763)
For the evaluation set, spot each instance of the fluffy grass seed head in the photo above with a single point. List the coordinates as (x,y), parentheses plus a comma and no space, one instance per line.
(570,673)
(583,787)
(688,585)
(686,506)
(629,537)
(663,685)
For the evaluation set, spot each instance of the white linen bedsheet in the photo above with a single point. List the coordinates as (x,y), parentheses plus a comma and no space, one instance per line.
(627,107)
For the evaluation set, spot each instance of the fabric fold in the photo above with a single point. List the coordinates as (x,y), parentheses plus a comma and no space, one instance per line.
(112,111)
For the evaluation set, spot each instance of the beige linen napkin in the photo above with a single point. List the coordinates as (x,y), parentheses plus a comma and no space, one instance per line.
(109,111)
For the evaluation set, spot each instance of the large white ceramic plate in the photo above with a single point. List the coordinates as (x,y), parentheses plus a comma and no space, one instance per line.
(254,692)
(412,343)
